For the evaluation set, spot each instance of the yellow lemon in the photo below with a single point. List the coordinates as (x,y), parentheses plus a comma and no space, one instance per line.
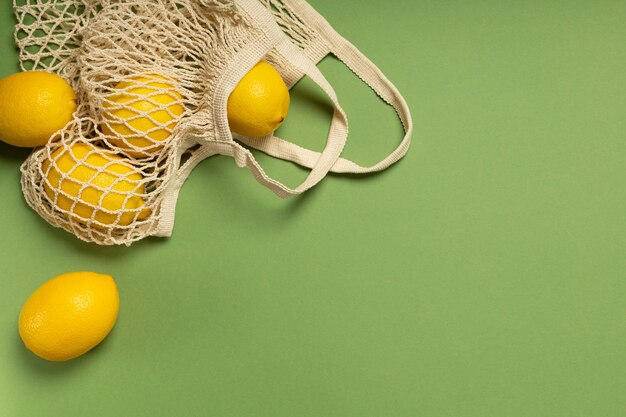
(34,105)
(74,183)
(259,103)
(141,114)
(69,315)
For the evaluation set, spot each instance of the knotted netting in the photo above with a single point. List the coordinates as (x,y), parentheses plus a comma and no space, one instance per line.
(142,72)
(152,78)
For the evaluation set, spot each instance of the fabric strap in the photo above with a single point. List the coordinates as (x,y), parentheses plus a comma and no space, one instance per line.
(303,62)
(367,71)
(272,39)
(276,39)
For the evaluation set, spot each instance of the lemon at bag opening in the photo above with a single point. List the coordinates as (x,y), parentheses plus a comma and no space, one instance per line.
(88,182)
(33,106)
(141,113)
(69,315)
(259,103)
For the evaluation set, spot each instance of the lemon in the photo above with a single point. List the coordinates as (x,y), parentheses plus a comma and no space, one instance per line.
(33,106)
(69,315)
(140,116)
(78,171)
(259,103)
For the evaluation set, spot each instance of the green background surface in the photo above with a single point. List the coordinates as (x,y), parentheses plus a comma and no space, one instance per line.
(483,275)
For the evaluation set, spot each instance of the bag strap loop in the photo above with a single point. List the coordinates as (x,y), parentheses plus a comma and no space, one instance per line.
(367,71)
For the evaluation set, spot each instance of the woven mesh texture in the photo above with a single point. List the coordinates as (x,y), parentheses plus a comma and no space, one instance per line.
(152,78)
(142,72)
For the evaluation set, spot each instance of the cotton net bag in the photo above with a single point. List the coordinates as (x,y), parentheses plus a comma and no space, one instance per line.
(152,80)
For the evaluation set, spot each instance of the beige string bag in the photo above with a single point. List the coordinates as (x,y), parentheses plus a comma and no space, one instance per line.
(183,58)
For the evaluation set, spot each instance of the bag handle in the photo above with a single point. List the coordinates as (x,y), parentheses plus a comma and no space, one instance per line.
(273,37)
(368,72)
(223,143)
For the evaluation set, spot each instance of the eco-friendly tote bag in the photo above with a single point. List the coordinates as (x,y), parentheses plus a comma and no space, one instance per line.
(193,53)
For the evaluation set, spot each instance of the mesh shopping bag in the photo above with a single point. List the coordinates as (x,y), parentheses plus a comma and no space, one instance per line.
(152,80)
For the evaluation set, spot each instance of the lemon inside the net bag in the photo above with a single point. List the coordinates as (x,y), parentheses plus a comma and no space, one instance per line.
(33,106)
(259,103)
(140,114)
(89,183)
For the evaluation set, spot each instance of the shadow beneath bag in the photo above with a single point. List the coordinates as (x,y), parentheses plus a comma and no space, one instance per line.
(91,250)
(297,203)
(365,176)
(13,153)
(309,98)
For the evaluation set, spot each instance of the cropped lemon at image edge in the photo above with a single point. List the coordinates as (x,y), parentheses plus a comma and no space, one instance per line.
(33,106)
